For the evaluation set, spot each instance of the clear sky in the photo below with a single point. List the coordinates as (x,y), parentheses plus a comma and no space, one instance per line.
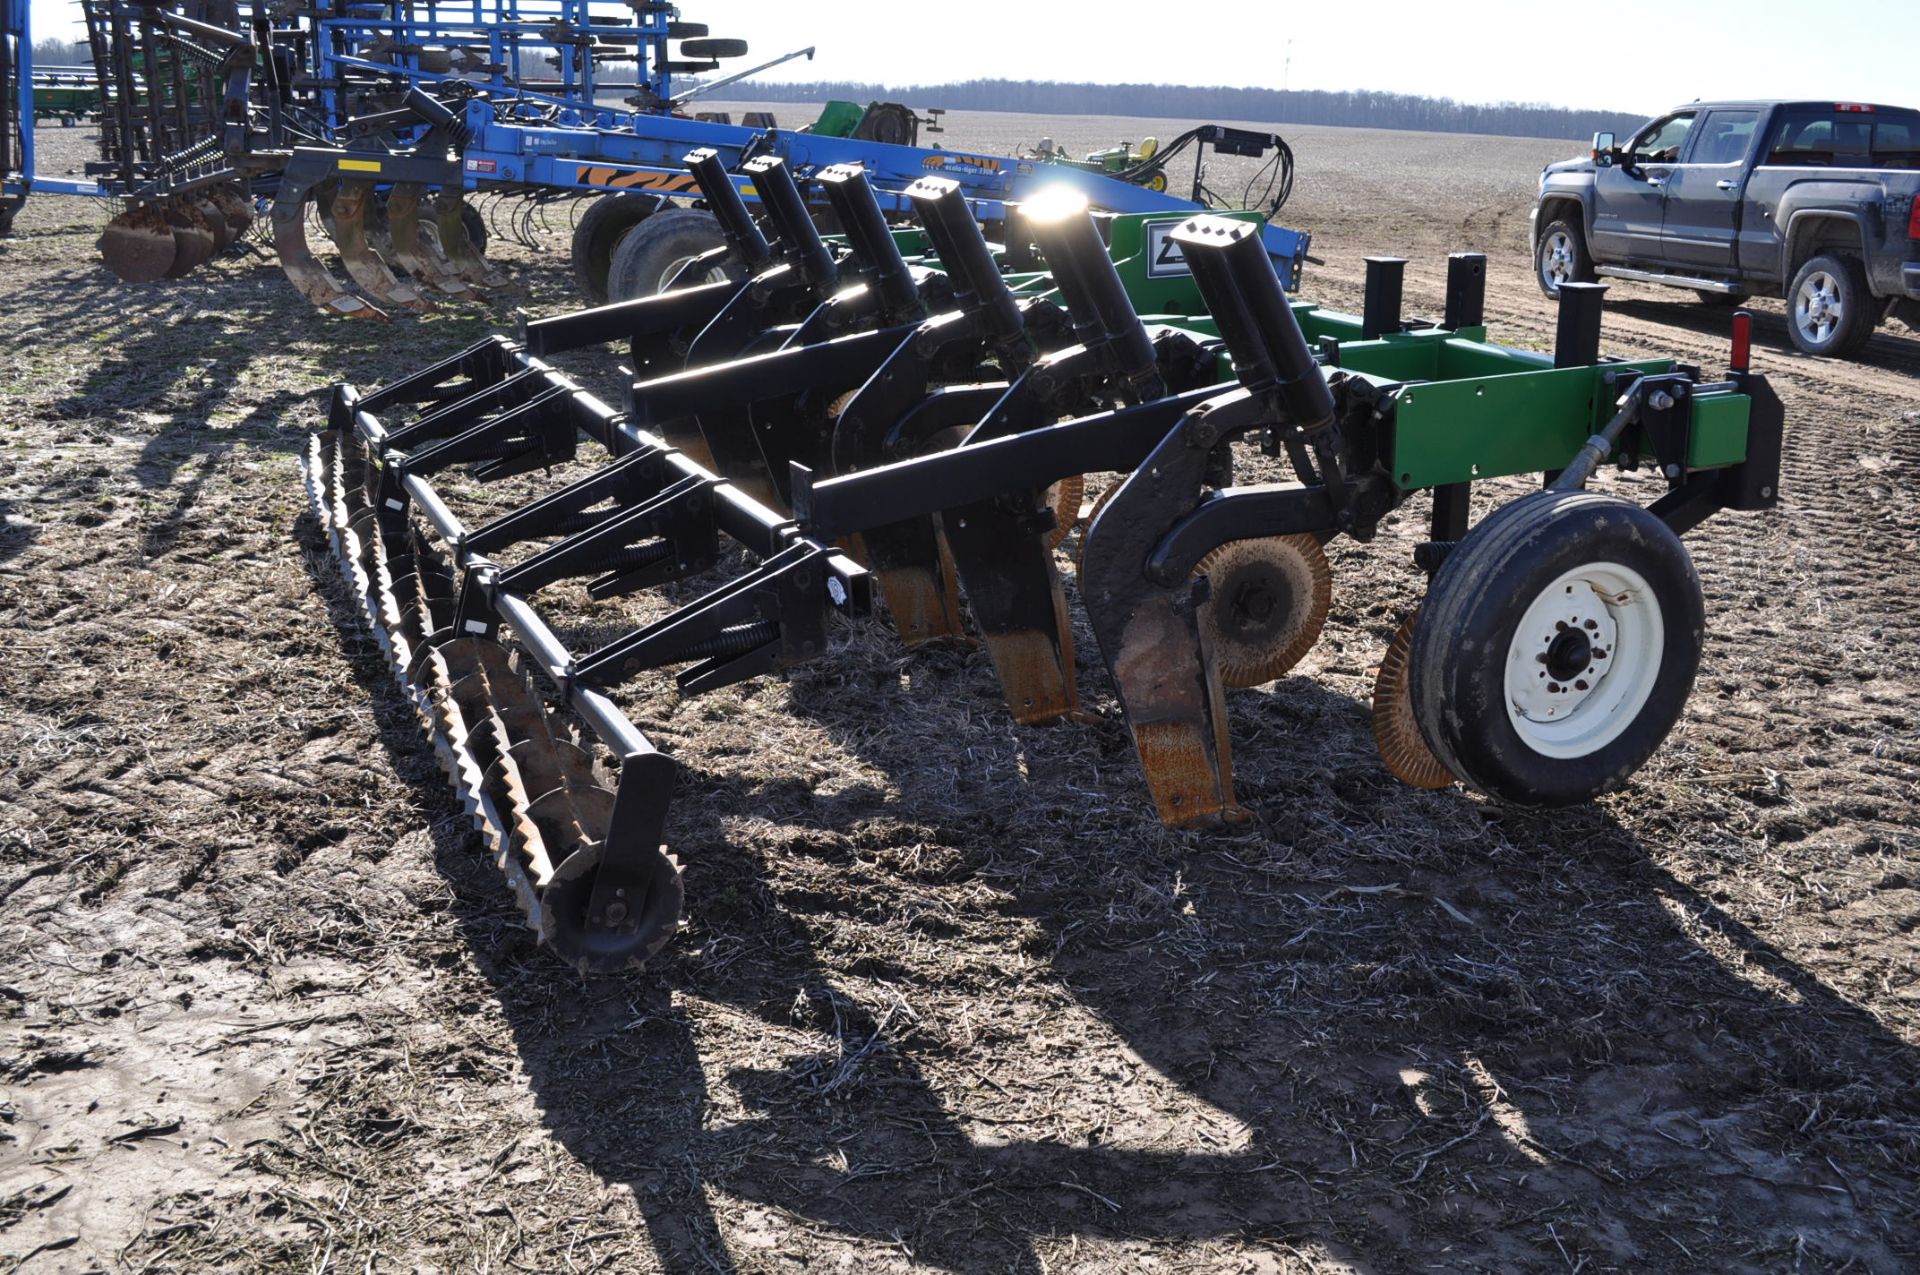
(1497,50)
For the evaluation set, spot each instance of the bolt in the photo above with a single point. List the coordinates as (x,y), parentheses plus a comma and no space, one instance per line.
(1673,471)
(1766,493)
(1660,401)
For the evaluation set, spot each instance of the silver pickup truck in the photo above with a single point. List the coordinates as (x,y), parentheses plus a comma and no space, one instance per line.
(1816,202)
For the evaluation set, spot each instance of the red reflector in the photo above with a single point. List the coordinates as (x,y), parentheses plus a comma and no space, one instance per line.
(1913,220)
(1742,359)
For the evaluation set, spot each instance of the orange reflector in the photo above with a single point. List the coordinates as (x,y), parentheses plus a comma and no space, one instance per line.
(1742,358)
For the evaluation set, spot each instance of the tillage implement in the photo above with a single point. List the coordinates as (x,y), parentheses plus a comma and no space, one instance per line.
(904,422)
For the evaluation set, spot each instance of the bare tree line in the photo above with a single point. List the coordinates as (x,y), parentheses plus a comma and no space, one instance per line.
(1355,108)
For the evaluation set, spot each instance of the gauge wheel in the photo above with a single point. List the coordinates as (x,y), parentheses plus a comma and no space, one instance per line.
(1556,648)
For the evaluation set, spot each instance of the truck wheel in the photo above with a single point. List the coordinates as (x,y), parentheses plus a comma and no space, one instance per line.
(646,261)
(599,231)
(1830,310)
(1556,647)
(1562,257)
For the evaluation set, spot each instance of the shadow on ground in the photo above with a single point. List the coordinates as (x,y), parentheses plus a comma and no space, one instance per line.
(1457,1035)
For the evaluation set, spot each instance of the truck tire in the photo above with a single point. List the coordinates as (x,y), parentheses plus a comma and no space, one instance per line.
(599,231)
(652,253)
(1561,257)
(1830,310)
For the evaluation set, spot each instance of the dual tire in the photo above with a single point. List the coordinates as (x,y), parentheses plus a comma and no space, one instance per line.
(632,244)
(1556,648)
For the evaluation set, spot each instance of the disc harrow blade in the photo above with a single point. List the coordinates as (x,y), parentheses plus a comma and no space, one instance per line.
(138,245)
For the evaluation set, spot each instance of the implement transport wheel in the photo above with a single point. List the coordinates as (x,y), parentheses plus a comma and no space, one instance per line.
(625,945)
(1556,648)
(1830,309)
(652,253)
(1270,600)
(1395,732)
(599,231)
(1561,257)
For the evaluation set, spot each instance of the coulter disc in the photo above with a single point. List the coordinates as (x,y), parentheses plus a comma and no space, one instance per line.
(1064,498)
(1270,599)
(1395,731)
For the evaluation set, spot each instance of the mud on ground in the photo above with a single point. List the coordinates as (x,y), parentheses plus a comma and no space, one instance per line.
(950,998)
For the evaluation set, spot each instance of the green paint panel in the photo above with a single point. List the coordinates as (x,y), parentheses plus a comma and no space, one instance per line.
(1487,427)
(1152,293)
(1719,430)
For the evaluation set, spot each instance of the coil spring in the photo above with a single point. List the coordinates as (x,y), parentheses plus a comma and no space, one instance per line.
(734,640)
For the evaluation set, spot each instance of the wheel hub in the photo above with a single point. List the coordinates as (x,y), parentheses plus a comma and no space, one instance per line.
(1569,651)
(1257,597)
(1583,659)
(1817,307)
(1559,258)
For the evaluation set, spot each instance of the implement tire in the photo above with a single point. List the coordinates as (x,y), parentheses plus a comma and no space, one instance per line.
(1556,648)
(599,232)
(652,253)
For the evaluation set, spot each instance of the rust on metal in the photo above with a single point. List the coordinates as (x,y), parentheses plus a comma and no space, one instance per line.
(415,250)
(193,241)
(1396,732)
(924,602)
(1177,710)
(1036,675)
(1064,498)
(1270,598)
(352,204)
(138,245)
(315,282)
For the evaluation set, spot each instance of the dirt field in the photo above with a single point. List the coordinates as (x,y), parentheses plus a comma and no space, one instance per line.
(950,998)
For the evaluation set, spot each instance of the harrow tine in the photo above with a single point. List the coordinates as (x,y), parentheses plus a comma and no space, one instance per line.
(351,236)
(416,250)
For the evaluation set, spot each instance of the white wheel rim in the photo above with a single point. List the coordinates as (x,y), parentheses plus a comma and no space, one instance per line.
(1817,309)
(1556,258)
(1584,660)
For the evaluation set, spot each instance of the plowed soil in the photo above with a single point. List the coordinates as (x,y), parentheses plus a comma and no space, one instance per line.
(950,998)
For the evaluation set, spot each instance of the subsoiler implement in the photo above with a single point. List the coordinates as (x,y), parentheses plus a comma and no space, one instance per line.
(896,416)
